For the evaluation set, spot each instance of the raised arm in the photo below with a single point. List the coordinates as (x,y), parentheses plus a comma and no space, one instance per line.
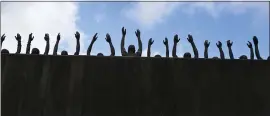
(219,45)
(229,44)
(138,34)
(19,46)
(206,45)
(190,40)
(175,40)
(257,52)
(109,40)
(77,36)
(249,44)
(30,39)
(165,42)
(150,43)
(3,38)
(47,39)
(56,44)
(91,44)
(123,50)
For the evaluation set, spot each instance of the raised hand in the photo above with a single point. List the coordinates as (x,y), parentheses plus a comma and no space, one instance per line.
(31,37)
(229,43)
(257,51)
(3,37)
(249,44)
(138,33)
(219,44)
(206,43)
(95,37)
(58,37)
(176,39)
(108,38)
(18,37)
(124,31)
(190,38)
(47,38)
(47,48)
(255,40)
(77,35)
(150,42)
(165,42)
(122,45)
(91,44)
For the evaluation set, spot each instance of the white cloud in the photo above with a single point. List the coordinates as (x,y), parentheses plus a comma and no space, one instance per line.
(147,14)
(40,18)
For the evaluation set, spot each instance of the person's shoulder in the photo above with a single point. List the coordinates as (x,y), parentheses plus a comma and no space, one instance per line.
(138,54)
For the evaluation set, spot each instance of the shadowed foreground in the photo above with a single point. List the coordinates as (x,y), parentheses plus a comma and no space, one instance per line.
(40,85)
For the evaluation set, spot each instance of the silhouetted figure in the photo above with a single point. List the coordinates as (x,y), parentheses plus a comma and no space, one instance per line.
(158,56)
(219,45)
(165,42)
(3,39)
(19,46)
(249,44)
(91,44)
(229,44)
(64,52)
(187,55)
(56,44)
(109,40)
(150,43)
(4,51)
(215,57)
(175,41)
(35,51)
(195,50)
(257,52)
(268,58)
(30,39)
(243,57)
(47,48)
(100,54)
(131,48)
(206,45)
(77,36)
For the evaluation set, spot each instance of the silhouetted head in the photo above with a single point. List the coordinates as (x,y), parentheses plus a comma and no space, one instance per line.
(243,57)
(100,54)
(158,56)
(64,52)
(35,51)
(131,49)
(268,58)
(4,51)
(215,57)
(187,55)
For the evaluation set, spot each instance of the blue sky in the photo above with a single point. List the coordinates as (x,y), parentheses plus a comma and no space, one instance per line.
(182,19)
(214,21)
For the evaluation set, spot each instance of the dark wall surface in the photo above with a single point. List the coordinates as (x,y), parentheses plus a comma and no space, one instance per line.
(122,86)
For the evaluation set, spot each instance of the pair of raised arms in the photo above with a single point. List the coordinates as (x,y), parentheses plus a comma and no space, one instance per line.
(131,48)
(175,40)
(229,45)
(46,38)
(206,44)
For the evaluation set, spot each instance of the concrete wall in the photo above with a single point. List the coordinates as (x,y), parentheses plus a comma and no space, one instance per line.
(120,86)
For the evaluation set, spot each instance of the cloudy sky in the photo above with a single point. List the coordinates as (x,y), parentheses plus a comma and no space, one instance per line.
(214,21)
